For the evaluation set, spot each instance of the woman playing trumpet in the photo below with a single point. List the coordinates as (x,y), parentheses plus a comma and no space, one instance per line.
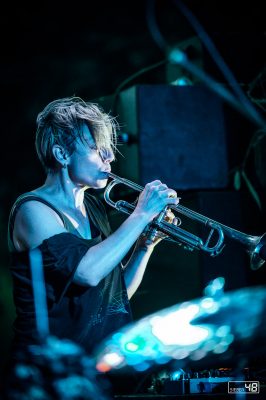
(87,287)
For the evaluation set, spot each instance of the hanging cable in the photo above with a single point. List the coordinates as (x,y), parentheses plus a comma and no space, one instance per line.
(217,58)
(131,78)
(175,55)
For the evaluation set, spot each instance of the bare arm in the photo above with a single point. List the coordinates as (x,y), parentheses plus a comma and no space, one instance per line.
(35,222)
(136,265)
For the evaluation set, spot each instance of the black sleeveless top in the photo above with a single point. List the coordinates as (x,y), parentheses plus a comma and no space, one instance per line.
(83,314)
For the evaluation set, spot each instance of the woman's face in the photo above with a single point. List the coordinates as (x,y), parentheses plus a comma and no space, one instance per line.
(87,165)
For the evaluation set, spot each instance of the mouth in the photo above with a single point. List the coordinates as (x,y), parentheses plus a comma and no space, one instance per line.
(106,174)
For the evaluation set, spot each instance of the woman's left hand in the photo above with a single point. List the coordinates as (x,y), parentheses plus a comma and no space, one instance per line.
(150,237)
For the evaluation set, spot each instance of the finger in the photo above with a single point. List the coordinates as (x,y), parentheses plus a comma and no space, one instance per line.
(175,221)
(160,236)
(170,214)
(169,217)
(171,195)
(172,200)
(157,182)
(162,186)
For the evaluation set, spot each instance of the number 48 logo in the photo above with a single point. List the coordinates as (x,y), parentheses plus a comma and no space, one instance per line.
(252,387)
(249,387)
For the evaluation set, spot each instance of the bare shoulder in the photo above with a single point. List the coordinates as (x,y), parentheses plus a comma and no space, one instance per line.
(35,222)
(34,212)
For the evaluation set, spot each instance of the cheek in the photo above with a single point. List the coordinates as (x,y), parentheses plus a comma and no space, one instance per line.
(87,163)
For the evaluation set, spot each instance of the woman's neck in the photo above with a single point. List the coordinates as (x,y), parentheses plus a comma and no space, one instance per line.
(64,191)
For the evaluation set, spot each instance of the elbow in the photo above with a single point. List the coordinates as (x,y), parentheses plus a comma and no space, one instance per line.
(86,279)
(92,281)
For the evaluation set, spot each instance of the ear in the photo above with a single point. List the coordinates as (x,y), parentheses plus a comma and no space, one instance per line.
(60,154)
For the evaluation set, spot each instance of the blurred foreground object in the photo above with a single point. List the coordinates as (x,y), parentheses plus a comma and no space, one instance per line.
(219,326)
(55,370)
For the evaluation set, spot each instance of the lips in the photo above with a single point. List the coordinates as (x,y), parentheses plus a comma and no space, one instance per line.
(106,174)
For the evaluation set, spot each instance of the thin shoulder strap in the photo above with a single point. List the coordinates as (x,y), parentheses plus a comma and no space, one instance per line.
(12,216)
(97,214)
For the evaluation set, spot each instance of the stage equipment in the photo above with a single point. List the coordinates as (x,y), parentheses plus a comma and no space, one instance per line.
(229,327)
(255,245)
(183,130)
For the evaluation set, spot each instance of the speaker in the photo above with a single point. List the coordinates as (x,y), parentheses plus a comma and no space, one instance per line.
(177,134)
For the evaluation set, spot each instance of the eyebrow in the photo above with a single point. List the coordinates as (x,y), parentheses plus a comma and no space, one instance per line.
(87,141)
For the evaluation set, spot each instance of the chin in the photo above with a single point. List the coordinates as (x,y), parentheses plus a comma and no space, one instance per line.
(100,184)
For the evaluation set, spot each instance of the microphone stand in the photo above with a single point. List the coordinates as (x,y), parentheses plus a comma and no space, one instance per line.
(39,294)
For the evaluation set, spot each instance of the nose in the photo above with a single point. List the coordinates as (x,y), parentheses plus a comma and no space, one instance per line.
(107,156)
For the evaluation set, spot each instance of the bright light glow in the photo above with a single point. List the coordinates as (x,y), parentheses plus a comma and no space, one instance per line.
(142,366)
(215,286)
(209,345)
(175,328)
(198,355)
(102,367)
(113,359)
(131,346)
(223,331)
(180,354)
(220,348)
(209,305)
(218,283)
(136,343)
(116,337)
(175,376)
(176,56)
(182,81)
(228,339)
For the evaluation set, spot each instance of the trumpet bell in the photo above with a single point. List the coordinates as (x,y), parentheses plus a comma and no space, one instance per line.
(258,254)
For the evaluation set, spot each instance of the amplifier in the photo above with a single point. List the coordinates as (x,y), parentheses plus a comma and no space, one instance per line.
(179,135)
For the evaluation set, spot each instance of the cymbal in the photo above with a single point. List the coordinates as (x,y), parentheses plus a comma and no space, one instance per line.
(188,332)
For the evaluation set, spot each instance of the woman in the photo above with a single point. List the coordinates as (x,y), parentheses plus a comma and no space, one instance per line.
(86,285)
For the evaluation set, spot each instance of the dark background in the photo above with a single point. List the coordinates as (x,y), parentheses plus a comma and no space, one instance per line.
(53,49)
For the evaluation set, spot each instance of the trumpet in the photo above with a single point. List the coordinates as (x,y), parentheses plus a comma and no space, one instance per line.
(254,245)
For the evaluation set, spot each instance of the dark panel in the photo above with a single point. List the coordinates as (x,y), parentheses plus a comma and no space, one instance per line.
(232,263)
(180,133)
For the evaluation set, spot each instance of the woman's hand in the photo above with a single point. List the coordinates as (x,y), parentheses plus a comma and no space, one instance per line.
(153,199)
(149,239)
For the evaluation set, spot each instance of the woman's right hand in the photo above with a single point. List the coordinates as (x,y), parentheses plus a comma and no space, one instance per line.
(152,200)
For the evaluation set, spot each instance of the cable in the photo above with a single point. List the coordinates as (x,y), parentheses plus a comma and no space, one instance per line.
(206,40)
(158,38)
(177,56)
(237,99)
(153,26)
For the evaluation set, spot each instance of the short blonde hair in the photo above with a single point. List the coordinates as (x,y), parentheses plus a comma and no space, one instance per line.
(61,122)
